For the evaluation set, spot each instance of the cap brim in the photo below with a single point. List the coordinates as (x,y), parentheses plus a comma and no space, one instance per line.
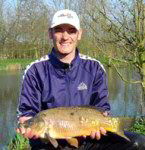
(60,23)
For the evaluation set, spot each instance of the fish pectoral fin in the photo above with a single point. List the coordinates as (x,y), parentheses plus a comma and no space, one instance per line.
(52,140)
(73,142)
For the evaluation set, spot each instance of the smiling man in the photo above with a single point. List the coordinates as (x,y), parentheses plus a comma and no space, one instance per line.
(65,32)
(66,78)
(65,38)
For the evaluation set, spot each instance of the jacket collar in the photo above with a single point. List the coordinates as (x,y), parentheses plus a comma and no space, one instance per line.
(61,65)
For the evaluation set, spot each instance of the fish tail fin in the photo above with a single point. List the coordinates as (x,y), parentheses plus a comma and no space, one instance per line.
(126,122)
(123,124)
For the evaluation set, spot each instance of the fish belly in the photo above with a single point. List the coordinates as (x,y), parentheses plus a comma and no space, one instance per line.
(69,129)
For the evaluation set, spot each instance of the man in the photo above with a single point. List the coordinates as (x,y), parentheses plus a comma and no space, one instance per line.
(66,78)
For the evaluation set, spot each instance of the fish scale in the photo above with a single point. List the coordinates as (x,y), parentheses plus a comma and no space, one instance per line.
(70,122)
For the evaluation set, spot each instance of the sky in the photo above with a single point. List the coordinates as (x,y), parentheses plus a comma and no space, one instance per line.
(13,3)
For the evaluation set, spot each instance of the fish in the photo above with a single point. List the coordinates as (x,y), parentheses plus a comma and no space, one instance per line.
(71,122)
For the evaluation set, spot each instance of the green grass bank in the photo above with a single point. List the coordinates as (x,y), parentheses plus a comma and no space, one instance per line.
(14,64)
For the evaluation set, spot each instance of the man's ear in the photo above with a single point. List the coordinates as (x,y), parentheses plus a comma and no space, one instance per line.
(80,34)
(50,33)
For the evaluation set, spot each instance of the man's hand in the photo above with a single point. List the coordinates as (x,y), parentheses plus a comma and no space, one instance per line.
(102,131)
(26,132)
(97,135)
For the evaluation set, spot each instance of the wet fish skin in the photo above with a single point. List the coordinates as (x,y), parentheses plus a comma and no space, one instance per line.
(70,122)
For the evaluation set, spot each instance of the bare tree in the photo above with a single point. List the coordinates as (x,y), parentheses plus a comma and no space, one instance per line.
(7,25)
(122,25)
(32,27)
(2,26)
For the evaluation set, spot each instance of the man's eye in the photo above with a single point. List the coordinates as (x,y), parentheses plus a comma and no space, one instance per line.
(73,31)
(57,30)
(69,31)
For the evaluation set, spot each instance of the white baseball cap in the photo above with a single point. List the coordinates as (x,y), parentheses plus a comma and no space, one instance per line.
(65,17)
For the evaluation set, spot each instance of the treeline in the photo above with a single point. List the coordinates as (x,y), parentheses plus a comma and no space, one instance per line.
(113,29)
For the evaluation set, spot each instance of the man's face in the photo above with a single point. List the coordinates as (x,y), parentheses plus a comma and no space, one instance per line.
(65,38)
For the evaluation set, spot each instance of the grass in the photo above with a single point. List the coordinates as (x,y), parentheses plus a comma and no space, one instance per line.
(9,64)
(15,64)
(19,143)
(6,64)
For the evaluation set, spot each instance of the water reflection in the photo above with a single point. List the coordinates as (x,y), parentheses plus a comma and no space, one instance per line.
(9,91)
(124,98)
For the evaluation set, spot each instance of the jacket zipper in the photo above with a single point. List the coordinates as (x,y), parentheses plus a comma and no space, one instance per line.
(68,86)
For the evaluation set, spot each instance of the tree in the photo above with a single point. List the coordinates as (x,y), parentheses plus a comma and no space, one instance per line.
(122,25)
(33,25)
(7,25)
(2,26)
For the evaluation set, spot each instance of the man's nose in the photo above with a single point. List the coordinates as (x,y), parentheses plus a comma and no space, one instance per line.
(65,35)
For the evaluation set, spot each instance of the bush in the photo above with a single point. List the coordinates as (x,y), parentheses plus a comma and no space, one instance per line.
(139,126)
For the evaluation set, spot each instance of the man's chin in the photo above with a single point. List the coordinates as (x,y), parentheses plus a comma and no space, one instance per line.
(64,52)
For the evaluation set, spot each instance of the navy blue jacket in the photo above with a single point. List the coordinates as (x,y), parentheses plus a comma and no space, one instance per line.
(49,83)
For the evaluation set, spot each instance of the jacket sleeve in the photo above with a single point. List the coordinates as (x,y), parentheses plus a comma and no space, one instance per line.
(99,96)
(30,95)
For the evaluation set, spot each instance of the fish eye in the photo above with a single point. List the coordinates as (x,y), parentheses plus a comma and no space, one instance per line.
(71,113)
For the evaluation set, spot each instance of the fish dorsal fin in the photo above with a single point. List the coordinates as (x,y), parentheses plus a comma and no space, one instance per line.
(52,140)
(73,142)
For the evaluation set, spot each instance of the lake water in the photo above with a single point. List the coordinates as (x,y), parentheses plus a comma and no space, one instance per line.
(124,99)
(9,93)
